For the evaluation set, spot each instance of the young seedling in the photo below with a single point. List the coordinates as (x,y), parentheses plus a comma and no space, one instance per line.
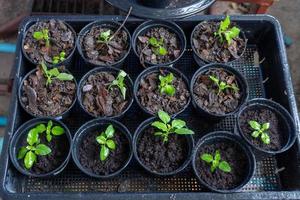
(227,33)
(104,37)
(222,85)
(167,127)
(165,85)
(53,130)
(34,148)
(260,130)
(119,82)
(59,58)
(216,162)
(54,73)
(42,35)
(106,142)
(157,45)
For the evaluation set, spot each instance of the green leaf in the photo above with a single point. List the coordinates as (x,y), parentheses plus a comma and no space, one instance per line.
(214,79)
(110,131)
(265,126)
(178,123)
(160,126)
(101,139)
(224,25)
(255,125)
(224,166)
(38,35)
(122,74)
(169,90)
(65,77)
(123,92)
(230,34)
(104,152)
(153,41)
(55,60)
(162,51)
(255,134)
(40,128)
(49,126)
(158,133)
(33,136)
(42,150)
(164,117)
(62,54)
(111,144)
(44,68)
(49,137)
(265,138)
(53,72)
(58,130)
(29,159)
(184,131)
(207,157)
(169,78)
(104,36)
(22,152)
(217,156)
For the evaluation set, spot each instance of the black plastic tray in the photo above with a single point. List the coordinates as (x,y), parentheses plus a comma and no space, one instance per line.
(276,177)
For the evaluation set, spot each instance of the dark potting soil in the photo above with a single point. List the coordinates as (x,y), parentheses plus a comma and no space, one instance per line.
(61,39)
(171,43)
(230,152)
(100,53)
(276,132)
(89,154)
(206,92)
(151,99)
(162,157)
(60,148)
(210,48)
(99,100)
(43,100)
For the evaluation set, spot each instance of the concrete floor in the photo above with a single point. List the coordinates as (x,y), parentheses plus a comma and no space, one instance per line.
(287,11)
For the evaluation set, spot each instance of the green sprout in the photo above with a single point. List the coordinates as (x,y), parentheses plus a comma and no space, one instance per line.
(42,35)
(104,37)
(165,85)
(34,148)
(260,130)
(166,127)
(59,58)
(119,82)
(53,130)
(215,162)
(54,73)
(106,142)
(222,85)
(157,45)
(225,32)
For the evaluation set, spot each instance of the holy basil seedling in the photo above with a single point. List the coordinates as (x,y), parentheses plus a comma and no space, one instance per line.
(226,32)
(42,35)
(106,142)
(216,162)
(167,127)
(222,85)
(157,45)
(104,37)
(119,82)
(54,73)
(53,130)
(165,85)
(260,130)
(34,148)
(61,57)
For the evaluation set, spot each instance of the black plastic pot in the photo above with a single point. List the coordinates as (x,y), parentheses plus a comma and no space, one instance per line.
(107,24)
(142,29)
(89,127)
(240,78)
(290,131)
(67,62)
(128,82)
(150,70)
(200,61)
(224,136)
(22,132)
(155,3)
(62,115)
(138,133)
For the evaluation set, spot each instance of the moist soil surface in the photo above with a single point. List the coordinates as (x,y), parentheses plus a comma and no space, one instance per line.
(152,100)
(211,49)
(42,100)
(162,157)
(99,100)
(171,43)
(59,146)
(89,154)
(230,152)
(101,53)
(276,132)
(61,39)
(207,94)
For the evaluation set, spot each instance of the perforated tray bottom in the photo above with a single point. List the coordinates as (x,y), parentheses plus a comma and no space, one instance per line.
(135,179)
